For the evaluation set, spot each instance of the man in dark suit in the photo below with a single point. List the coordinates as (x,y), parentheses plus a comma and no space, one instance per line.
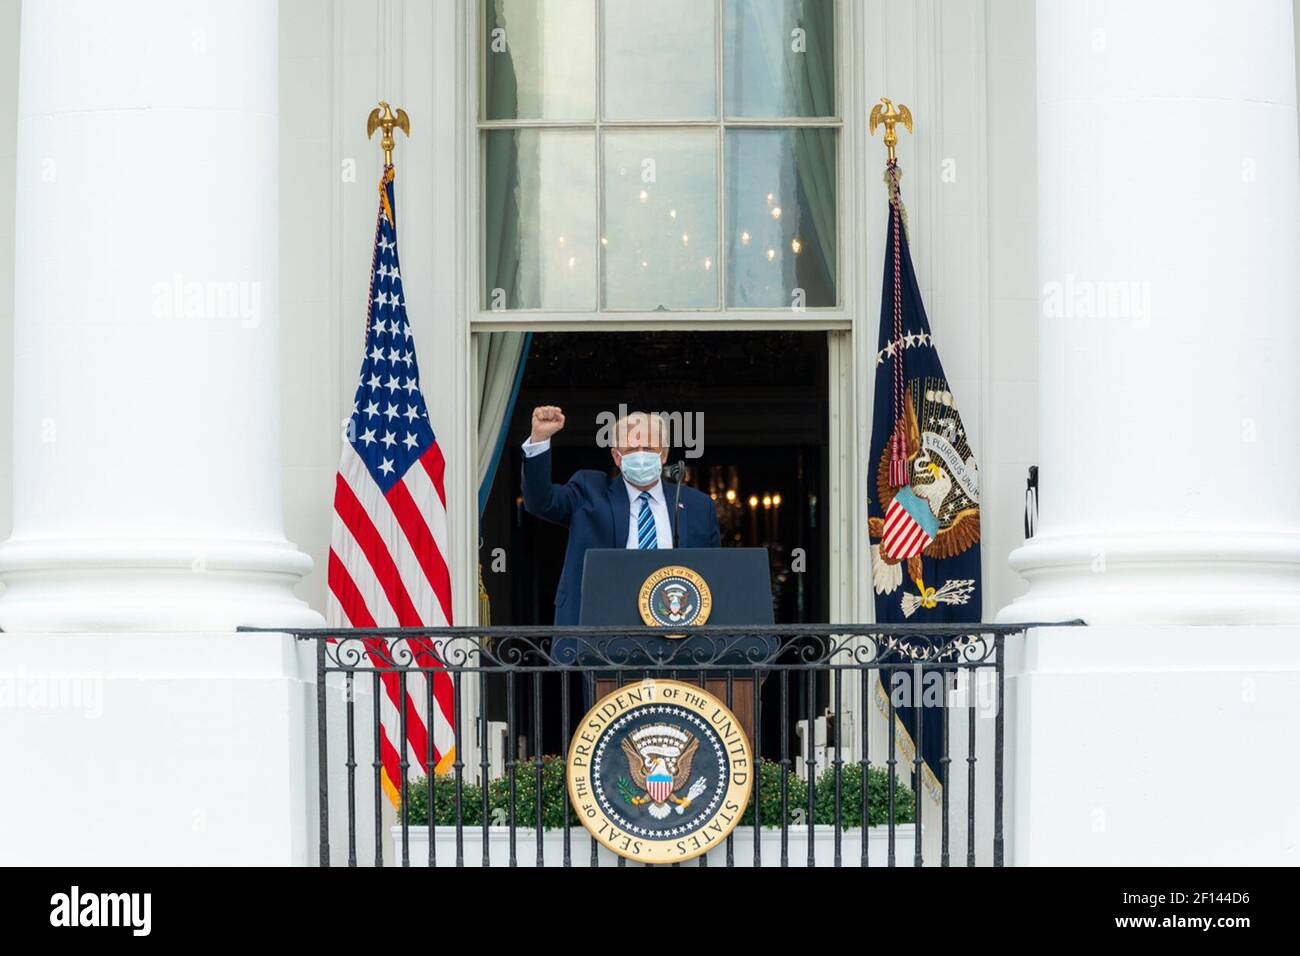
(629,510)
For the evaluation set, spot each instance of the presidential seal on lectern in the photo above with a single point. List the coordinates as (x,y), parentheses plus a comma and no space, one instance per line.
(660,771)
(675,594)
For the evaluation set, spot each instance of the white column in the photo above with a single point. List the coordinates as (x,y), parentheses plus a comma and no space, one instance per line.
(1169,245)
(1168,251)
(146,411)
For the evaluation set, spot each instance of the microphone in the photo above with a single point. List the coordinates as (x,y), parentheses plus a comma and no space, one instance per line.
(677,471)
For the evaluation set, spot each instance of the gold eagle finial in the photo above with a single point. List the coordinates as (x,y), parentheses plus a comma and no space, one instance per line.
(884,112)
(382,117)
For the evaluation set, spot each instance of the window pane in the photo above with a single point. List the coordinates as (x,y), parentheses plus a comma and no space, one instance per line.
(660,235)
(539,225)
(540,59)
(780,57)
(781,209)
(659,59)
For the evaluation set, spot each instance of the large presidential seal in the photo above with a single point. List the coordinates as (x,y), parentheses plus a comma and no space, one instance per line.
(674,595)
(660,771)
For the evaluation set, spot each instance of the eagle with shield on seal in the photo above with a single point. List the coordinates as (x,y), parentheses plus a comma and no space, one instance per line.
(659,758)
(674,604)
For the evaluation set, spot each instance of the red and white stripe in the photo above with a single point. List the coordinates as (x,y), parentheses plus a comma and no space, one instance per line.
(903,537)
(388,568)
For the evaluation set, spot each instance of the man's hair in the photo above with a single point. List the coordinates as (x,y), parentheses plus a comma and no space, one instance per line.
(633,422)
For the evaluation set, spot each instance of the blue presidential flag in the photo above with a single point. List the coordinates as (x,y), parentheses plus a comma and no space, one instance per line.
(924,515)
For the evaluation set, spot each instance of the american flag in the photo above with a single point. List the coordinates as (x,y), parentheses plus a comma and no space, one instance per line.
(388,548)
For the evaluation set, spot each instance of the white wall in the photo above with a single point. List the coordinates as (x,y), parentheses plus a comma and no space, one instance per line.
(312,396)
(966,69)
(1012,342)
(9,15)
(337,60)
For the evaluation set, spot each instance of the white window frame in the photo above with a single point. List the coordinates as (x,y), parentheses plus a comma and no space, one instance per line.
(864,34)
(848,125)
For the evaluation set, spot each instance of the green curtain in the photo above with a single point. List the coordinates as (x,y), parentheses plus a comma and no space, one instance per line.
(813,76)
(499,357)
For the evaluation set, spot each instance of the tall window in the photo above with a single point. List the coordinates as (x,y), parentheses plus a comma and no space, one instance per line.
(667,155)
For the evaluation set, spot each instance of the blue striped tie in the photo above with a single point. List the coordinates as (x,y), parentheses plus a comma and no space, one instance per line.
(646,538)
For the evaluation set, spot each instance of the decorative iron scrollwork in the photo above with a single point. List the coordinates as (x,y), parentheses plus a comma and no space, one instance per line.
(530,648)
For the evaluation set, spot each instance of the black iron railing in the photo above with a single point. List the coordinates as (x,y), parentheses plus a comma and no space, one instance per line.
(796,678)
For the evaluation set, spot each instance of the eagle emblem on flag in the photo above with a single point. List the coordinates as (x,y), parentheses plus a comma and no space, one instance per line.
(659,759)
(936,513)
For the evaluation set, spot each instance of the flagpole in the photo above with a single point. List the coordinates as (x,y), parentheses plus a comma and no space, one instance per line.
(382,117)
(418,740)
(886,114)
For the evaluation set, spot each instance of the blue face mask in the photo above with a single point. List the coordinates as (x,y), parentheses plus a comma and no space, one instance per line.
(641,467)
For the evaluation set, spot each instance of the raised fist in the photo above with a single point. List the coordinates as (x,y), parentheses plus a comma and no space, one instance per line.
(547,420)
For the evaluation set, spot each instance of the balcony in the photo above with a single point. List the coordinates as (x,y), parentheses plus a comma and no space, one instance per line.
(802,693)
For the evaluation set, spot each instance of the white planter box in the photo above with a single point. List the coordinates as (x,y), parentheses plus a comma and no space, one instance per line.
(580,847)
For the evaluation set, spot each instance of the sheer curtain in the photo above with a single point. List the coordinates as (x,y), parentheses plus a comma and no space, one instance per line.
(815,149)
(801,84)
(499,356)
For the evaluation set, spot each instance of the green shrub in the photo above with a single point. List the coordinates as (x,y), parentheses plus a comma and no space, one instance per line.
(768,791)
(444,802)
(553,790)
(444,798)
(851,798)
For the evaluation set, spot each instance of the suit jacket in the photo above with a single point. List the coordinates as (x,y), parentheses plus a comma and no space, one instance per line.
(595,509)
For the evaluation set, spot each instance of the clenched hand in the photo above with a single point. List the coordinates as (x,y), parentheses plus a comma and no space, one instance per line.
(547,420)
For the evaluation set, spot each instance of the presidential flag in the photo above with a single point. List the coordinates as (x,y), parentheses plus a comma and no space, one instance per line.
(388,549)
(924,516)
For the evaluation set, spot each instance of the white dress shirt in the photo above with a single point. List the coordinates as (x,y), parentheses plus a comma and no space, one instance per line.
(658,504)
